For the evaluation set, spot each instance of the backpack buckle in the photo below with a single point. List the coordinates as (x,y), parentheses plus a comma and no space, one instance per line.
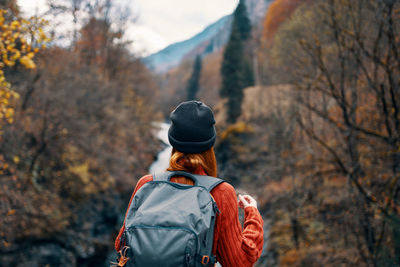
(123,258)
(205,260)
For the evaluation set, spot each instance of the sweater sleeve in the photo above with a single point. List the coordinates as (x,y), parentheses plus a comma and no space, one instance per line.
(237,246)
(139,184)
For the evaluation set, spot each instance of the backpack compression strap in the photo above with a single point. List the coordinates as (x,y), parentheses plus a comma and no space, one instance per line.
(205,181)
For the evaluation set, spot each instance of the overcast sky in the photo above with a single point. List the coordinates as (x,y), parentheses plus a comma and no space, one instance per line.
(162,22)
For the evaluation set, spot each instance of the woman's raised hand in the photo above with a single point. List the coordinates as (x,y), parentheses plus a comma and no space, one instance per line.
(246,201)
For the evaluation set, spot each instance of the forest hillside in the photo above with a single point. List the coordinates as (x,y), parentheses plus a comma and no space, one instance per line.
(75,135)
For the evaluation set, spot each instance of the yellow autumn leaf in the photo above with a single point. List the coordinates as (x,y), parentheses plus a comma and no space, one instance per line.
(27,62)
(15,24)
(16,159)
(16,95)
(9,112)
(8,62)
(11,212)
(16,55)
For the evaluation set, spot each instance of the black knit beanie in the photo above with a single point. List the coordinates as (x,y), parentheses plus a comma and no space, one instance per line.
(192,127)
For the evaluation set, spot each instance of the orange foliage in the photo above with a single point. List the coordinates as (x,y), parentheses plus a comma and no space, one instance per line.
(273,188)
(337,181)
(278,13)
(290,258)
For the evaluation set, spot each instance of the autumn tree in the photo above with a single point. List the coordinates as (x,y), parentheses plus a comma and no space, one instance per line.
(16,49)
(79,140)
(343,56)
(278,12)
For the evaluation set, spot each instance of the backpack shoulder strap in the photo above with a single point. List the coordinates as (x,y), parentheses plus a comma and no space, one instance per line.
(162,176)
(205,181)
(208,182)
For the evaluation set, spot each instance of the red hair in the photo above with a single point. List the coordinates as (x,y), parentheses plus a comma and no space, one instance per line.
(191,162)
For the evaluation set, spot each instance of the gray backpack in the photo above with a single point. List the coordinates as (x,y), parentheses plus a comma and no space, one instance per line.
(171,224)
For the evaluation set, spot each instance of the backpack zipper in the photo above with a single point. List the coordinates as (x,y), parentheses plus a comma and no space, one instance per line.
(217,211)
(122,241)
(188,258)
(166,227)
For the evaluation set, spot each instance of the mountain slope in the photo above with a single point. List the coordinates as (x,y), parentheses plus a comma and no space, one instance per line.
(211,39)
(172,54)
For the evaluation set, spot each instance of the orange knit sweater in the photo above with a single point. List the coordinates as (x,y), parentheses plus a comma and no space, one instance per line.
(233,245)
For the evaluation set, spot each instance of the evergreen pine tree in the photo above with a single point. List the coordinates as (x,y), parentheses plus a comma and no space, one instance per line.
(235,71)
(231,71)
(242,21)
(248,74)
(193,83)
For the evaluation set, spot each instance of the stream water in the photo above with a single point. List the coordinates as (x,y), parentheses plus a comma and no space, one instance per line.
(162,161)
